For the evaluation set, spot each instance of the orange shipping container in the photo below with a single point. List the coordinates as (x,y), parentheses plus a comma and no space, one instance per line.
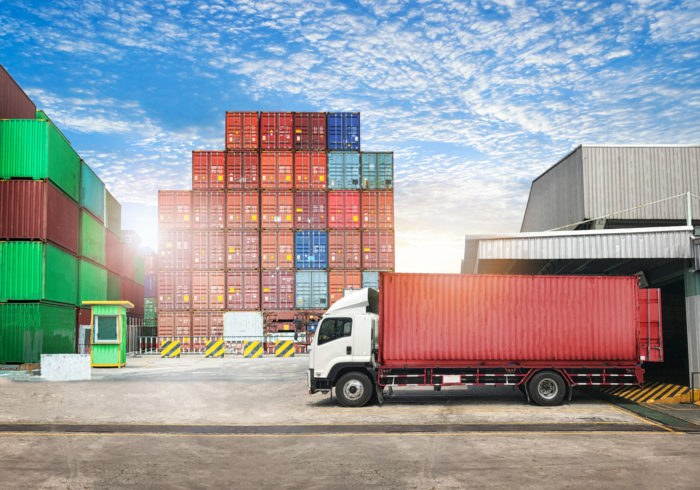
(378,250)
(276,169)
(242,210)
(217,290)
(310,169)
(174,251)
(208,210)
(208,250)
(276,131)
(344,250)
(310,210)
(207,324)
(277,210)
(377,210)
(344,210)
(242,250)
(174,291)
(338,281)
(241,130)
(242,170)
(208,170)
(175,209)
(174,323)
(243,291)
(277,249)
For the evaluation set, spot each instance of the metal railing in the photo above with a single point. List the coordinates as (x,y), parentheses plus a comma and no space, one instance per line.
(151,345)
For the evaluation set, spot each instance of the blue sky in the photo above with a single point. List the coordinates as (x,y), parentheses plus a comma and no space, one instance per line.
(475,98)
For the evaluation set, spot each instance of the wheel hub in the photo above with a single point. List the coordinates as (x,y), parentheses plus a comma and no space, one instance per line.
(547,388)
(353,390)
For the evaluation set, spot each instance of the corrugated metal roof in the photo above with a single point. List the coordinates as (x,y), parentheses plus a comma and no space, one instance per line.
(637,243)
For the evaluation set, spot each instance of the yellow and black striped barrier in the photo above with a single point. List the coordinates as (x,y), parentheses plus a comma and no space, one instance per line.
(252,348)
(215,348)
(170,348)
(284,348)
(652,392)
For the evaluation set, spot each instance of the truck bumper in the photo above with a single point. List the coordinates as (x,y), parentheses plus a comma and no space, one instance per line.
(317,384)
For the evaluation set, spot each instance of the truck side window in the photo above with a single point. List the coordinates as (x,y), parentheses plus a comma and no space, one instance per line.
(334,328)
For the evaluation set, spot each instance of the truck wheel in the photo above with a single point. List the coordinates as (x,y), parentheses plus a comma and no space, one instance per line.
(353,389)
(547,388)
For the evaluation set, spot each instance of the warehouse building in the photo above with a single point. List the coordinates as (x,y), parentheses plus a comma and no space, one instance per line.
(615,210)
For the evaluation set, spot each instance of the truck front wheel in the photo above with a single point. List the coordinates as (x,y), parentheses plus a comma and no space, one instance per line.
(353,389)
(547,388)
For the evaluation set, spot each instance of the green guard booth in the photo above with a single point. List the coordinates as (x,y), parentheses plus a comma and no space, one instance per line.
(109,333)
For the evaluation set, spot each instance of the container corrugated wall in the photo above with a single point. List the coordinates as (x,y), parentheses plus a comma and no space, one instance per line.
(277,210)
(343,170)
(277,290)
(276,131)
(339,281)
(343,131)
(92,238)
(277,249)
(243,210)
(242,170)
(310,210)
(344,210)
(242,130)
(506,318)
(276,170)
(310,169)
(92,282)
(208,170)
(344,250)
(113,214)
(311,249)
(311,289)
(370,279)
(14,103)
(242,250)
(377,170)
(92,192)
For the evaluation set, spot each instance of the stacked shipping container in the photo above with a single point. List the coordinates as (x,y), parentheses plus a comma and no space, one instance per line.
(60,235)
(286,218)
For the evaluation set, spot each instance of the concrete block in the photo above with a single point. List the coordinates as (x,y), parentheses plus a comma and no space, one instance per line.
(65,367)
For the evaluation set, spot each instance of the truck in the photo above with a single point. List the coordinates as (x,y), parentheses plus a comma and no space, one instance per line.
(542,334)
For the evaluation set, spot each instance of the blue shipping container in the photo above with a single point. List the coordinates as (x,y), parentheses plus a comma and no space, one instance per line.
(311,249)
(344,131)
(377,171)
(150,286)
(344,170)
(370,279)
(311,290)
(92,192)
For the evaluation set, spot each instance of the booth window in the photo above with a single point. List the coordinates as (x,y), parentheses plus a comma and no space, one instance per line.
(106,329)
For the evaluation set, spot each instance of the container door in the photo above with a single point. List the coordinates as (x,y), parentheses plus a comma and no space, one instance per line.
(650,332)
(335,343)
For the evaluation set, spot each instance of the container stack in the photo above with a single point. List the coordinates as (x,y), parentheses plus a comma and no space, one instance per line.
(150,313)
(59,235)
(284,220)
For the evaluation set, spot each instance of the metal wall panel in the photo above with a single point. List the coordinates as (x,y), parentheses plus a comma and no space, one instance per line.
(14,103)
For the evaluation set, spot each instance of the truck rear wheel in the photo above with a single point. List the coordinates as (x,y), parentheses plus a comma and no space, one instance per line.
(547,388)
(353,389)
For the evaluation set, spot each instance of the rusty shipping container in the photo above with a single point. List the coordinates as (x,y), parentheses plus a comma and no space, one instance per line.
(277,210)
(174,323)
(276,131)
(377,210)
(175,209)
(174,250)
(208,170)
(277,249)
(344,249)
(242,131)
(208,250)
(277,290)
(310,170)
(491,318)
(174,291)
(242,169)
(310,210)
(14,103)
(114,253)
(242,250)
(344,210)
(378,250)
(242,290)
(276,170)
(37,210)
(208,210)
(339,281)
(242,210)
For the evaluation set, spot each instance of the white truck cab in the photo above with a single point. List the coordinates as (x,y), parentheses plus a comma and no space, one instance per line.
(342,351)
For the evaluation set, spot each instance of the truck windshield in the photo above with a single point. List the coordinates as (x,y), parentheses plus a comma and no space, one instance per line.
(334,328)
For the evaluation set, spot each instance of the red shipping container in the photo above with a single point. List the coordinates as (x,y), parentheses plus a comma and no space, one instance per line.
(174,251)
(208,250)
(243,210)
(377,210)
(277,249)
(344,210)
(458,319)
(207,325)
(310,210)
(378,250)
(276,169)
(150,264)
(277,290)
(242,250)
(277,210)
(37,210)
(310,169)
(276,131)
(174,323)
(200,290)
(216,323)
(84,316)
(128,262)
(208,210)
(175,209)
(208,170)
(243,291)
(242,170)
(174,291)
(344,250)
(338,281)
(114,255)
(241,130)
(14,103)
(217,290)
(130,291)
(310,131)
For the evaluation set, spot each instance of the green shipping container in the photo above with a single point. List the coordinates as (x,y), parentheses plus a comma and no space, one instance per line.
(113,214)
(28,330)
(139,271)
(93,282)
(37,150)
(92,238)
(149,309)
(150,323)
(35,271)
(114,285)
(92,192)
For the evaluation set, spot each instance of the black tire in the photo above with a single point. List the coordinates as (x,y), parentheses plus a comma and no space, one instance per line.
(547,388)
(354,389)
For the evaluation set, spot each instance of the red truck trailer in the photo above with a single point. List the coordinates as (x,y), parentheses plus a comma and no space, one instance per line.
(545,334)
